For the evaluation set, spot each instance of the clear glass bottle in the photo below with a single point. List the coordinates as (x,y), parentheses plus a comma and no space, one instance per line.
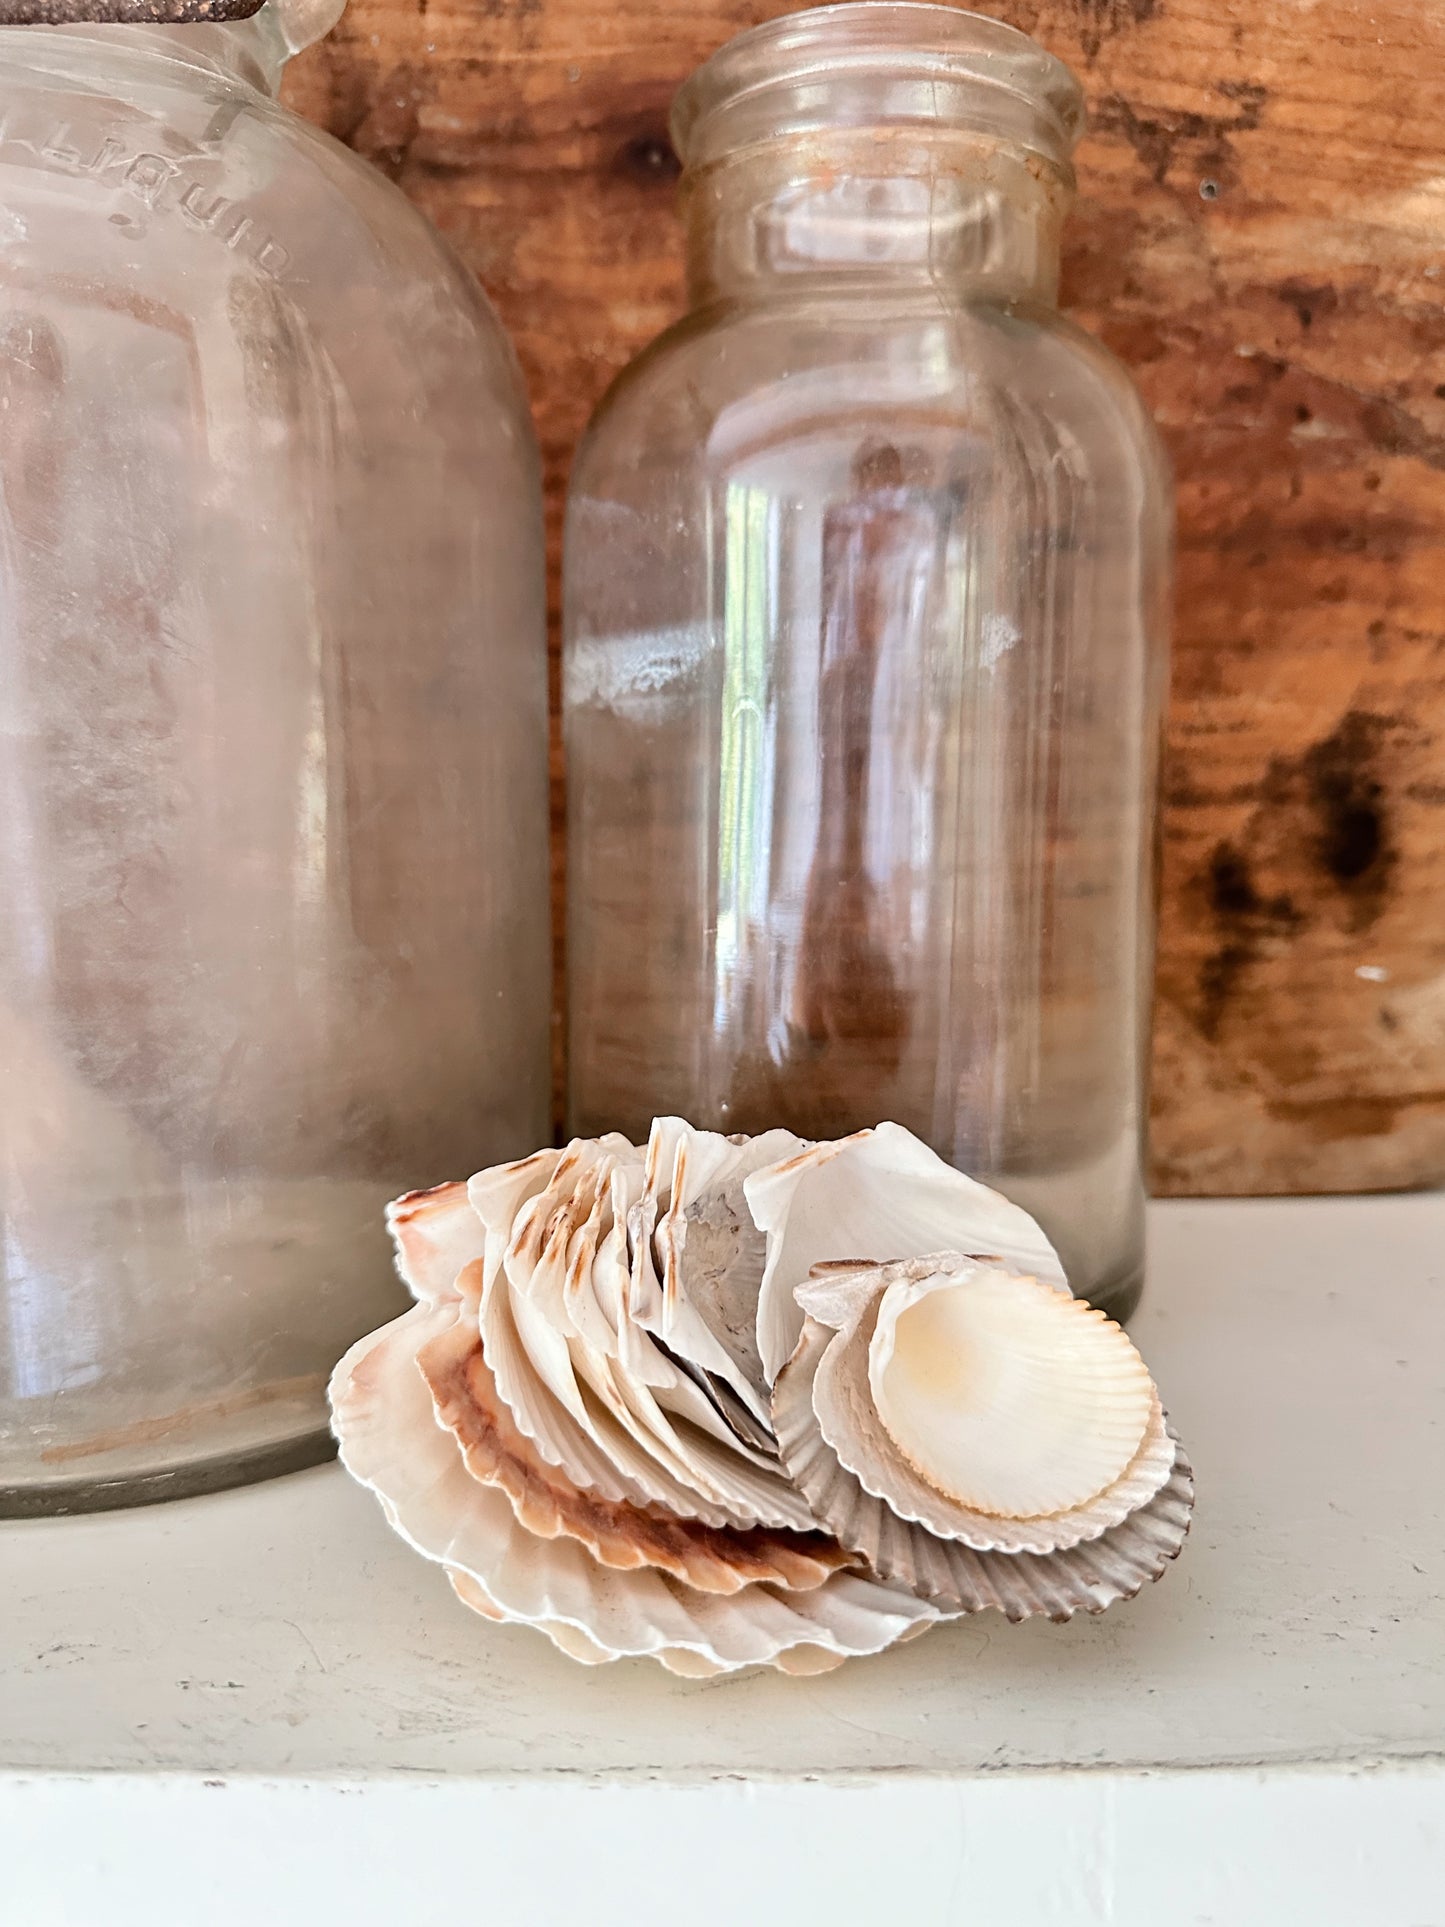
(866,611)
(273,901)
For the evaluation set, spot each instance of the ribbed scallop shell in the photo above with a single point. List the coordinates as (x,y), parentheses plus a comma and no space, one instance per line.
(619,1536)
(596,1394)
(1003,1393)
(848,1421)
(799,1661)
(956,1578)
(575,1419)
(391,1441)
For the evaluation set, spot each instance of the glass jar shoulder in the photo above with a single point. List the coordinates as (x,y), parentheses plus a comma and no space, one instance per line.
(193,187)
(409,249)
(432,295)
(728,377)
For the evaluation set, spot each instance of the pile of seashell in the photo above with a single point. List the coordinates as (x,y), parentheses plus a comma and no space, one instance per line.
(752,1401)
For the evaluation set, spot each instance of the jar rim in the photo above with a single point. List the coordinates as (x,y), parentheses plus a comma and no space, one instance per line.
(917,43)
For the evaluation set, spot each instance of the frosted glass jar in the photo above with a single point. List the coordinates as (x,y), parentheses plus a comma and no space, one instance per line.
(866,613)
(273,883)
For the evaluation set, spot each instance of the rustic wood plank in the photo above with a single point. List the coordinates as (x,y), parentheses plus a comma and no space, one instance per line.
(1259,235)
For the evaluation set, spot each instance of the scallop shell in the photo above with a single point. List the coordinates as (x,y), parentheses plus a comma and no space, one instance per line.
(595,1395)
(575,1418)
(800,1661)
(582,1437)
(847,1419)
(574,1643)
(876,1195)
(1022,1585)
(453,1239)
(620,1536)
(437,1235)
(390,1441)
(1003,1393)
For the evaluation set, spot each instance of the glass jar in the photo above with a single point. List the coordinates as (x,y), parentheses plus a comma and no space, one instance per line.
(866,612)
(273,897)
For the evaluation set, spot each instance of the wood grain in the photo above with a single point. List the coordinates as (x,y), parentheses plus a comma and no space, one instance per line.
(1258,234)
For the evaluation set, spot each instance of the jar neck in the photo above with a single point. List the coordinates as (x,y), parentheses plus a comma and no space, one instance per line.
(943,207)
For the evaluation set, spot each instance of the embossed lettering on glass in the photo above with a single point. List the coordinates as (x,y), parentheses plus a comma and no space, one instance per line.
(273,921)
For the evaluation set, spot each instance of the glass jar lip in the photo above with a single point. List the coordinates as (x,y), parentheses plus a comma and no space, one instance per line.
(914,46)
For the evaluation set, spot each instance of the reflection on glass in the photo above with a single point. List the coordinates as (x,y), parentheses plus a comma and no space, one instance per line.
(273,918)
(866,578)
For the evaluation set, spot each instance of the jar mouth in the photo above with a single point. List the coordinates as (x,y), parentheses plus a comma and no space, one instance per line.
(880,63)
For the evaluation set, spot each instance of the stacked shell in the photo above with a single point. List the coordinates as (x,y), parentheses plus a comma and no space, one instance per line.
(731,1402)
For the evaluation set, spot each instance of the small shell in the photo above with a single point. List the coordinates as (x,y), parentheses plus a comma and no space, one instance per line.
(391,1442)
(847,1419)
(876,1195)
(1003,1394)
(958,1579)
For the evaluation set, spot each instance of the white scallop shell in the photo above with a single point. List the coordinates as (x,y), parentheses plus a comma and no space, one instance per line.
(848,1422)
(877,1195)
(1022,1585)
(391,1441)
(1002,1393)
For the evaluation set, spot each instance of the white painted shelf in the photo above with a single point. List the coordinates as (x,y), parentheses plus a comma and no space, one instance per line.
(1286,1677)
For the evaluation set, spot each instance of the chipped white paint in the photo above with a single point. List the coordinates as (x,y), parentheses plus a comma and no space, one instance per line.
(1267,1724)
(1237,1849)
